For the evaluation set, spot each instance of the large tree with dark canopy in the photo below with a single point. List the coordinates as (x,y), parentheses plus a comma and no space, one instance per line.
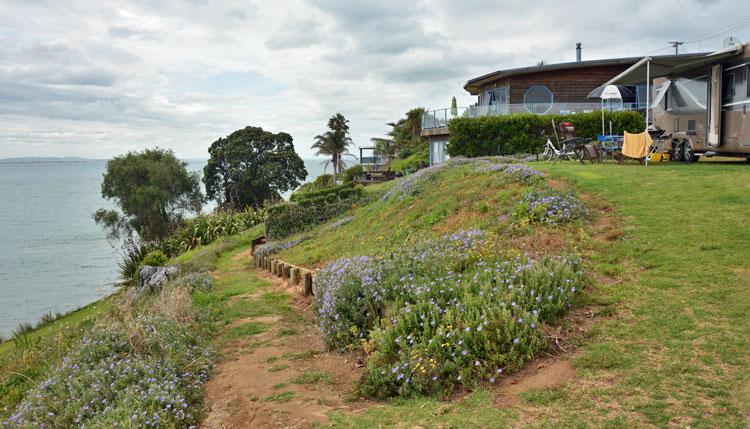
(252,166)
(153,191)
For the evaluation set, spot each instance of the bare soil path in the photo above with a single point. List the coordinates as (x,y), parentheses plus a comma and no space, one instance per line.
(282,377)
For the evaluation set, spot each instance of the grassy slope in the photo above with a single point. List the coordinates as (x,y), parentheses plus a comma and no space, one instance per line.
(676,352)
(455,199)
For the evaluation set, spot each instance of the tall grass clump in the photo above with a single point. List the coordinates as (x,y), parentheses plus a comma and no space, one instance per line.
(445,313)
(208,228)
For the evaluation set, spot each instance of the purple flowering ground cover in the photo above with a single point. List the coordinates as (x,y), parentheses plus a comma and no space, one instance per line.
(442,314)
(550,207)
(144,371)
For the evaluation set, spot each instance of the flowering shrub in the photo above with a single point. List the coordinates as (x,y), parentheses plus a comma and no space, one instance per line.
(465,328)
(441,314)
(413,184)
(147,373)
(272,247)
(352,293)
(518,172)
(550,208)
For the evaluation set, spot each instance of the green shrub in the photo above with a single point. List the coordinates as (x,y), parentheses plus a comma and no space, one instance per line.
(154,258)
(521,133)
(131,260)
(353,172)
(207,228)
(413,162)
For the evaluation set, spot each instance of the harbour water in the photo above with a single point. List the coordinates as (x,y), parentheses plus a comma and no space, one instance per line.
(53,257)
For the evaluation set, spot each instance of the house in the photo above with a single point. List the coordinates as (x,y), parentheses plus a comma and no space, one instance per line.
(540,89)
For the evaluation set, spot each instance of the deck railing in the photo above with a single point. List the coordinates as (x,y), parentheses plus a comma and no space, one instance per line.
(440,118)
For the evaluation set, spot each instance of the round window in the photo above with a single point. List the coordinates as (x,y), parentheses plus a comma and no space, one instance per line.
(538,99)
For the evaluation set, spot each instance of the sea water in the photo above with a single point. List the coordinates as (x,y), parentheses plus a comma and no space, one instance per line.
(53,257)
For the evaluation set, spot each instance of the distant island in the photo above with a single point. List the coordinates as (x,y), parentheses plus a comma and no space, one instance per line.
(41,159)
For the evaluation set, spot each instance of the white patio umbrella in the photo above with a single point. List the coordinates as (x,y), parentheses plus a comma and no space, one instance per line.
(610,92)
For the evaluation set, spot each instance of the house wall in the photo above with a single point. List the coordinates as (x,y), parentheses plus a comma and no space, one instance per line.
(568,86)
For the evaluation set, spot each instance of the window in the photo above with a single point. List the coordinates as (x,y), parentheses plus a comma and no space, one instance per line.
(728,86)
(538,99)
(495,96)
(691,127)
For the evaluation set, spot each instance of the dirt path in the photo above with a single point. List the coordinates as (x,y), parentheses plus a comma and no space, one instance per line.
(282,377)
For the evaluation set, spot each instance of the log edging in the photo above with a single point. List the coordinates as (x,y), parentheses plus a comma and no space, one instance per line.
(293,274)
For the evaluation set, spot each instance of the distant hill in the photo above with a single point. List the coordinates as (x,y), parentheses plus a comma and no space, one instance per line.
(42,159)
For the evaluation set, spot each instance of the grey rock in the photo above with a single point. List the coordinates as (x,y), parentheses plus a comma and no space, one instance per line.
(153,278)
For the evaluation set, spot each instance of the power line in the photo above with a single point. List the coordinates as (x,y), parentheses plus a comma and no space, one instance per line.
(676,46)
(715,33)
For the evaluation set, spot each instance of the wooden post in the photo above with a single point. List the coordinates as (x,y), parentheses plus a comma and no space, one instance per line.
(293,276)
(308,287)
(285,273)
(273,266)
(279,268)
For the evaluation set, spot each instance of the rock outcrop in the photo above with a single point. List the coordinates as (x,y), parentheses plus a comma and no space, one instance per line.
(153,278)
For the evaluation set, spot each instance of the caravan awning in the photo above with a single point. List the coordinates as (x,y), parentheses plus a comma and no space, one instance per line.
(670,64)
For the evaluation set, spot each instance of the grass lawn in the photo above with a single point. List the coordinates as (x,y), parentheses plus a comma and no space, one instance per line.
(677,350)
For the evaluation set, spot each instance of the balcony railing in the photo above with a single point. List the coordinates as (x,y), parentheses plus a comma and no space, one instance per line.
(440,118)
(373,160)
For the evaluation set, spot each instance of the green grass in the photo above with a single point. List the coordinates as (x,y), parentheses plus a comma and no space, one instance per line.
(245,330)
(280,397)
(278,367)
(672,347)
(455,199)
(299,355)
(313,377)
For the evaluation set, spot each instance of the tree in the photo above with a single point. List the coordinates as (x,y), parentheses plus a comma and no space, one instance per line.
(334,143)
(250,167)
(153,191)
(407,132)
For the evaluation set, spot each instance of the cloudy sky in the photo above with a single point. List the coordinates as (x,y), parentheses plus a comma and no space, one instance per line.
(99,78)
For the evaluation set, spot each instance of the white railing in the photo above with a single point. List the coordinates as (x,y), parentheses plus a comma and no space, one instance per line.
(440,118)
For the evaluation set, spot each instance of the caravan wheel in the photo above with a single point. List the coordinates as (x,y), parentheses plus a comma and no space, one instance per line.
(677,151)
(687,152)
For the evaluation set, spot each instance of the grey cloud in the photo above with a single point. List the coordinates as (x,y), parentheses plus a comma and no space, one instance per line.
(295,35)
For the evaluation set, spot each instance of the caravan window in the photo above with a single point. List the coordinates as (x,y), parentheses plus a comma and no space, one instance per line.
(728,86)
(687,96)
(734,84)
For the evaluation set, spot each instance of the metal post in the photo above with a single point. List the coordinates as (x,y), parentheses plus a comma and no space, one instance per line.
(648,102)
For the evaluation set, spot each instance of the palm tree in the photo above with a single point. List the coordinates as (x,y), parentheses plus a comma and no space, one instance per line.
(334,143)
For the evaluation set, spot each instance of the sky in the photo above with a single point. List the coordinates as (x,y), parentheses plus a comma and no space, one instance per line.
(100,78)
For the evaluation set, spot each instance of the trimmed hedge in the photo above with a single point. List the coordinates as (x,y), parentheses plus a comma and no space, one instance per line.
(338,192)
(521,133)
(286,219)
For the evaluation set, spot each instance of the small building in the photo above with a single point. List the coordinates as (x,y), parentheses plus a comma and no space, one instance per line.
(541,89)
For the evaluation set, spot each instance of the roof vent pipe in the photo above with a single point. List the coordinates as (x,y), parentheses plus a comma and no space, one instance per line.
(578,52)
